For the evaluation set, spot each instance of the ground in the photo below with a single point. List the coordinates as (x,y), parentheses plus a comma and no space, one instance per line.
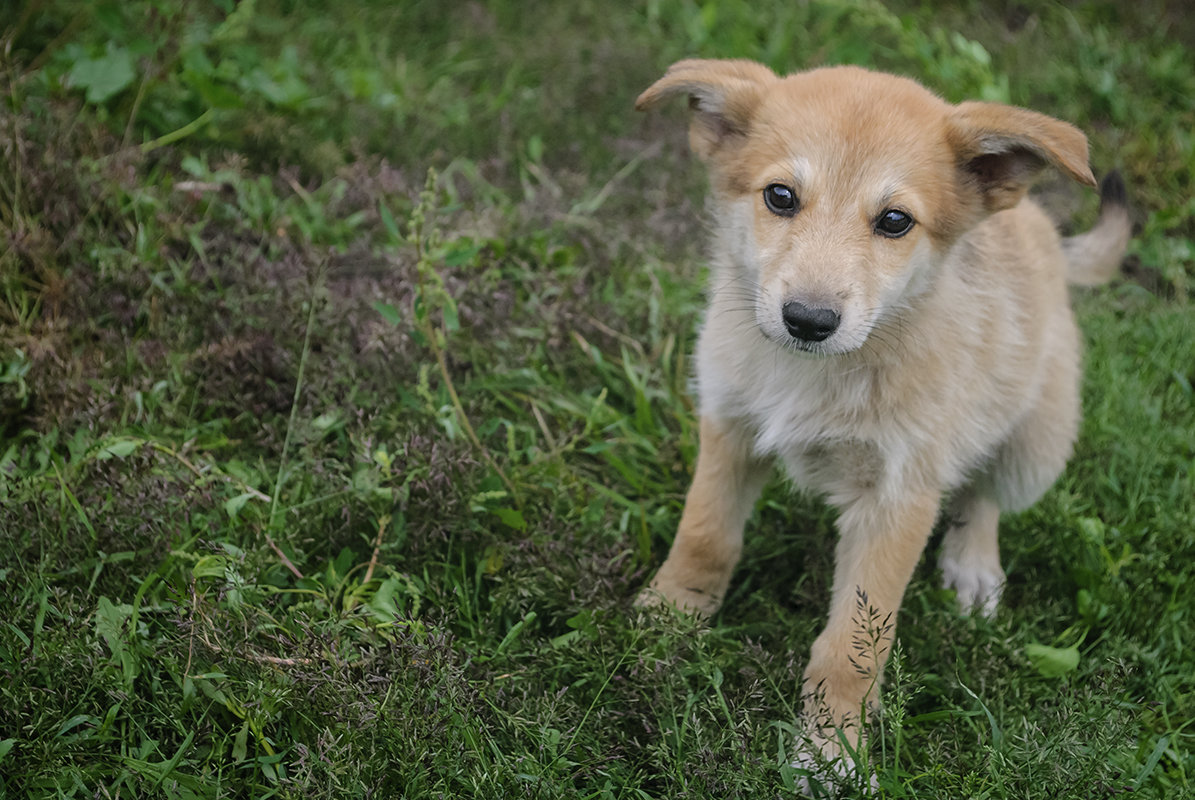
(344,410)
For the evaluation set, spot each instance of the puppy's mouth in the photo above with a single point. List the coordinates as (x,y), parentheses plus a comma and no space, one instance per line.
(815,350)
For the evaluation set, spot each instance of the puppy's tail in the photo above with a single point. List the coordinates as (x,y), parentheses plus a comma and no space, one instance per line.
(1094,257)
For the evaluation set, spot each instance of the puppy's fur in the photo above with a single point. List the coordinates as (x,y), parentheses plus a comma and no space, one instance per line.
(888,318)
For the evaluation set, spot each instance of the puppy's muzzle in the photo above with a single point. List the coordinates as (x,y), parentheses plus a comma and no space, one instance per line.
(809,324)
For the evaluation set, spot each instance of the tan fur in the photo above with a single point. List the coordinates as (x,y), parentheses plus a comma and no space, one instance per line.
(952,368)
(1094,257)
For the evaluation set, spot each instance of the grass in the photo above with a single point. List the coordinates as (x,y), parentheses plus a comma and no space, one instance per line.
(320,476)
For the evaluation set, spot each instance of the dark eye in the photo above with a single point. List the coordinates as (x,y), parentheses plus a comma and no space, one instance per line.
(893,224)
(780,199)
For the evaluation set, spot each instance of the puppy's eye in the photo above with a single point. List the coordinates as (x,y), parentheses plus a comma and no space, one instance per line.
(893,224)
(780,199)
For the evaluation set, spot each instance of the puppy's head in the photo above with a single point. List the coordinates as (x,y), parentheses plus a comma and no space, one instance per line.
(838,191)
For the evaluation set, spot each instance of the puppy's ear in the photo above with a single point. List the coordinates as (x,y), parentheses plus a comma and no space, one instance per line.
(1000,149)
(722,93)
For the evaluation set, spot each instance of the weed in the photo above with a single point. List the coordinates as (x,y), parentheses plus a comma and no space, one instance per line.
(319,479)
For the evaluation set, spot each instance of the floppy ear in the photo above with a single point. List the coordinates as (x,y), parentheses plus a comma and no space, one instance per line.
(722,93)
(1000,150)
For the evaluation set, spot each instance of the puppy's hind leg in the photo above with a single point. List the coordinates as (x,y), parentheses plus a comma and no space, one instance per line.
(1025,467)
(709,540)
(970,559)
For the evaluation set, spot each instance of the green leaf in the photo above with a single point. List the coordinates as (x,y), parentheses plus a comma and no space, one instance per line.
(118,447)
(284,89)
(110,620)
(997,734)
(564,639)
(6,745)
(389,313)
(234,504)
(514,631)
(535,149)
(214,95)
(382,603)
(105,76)
(388,223)
(75,722)
(511,518)
(1052,662)
(111,623)
(214,692)
(327,421)
(237,24)
(240,745)
(461,253)
(210,567)
(451,321)
(1150,763)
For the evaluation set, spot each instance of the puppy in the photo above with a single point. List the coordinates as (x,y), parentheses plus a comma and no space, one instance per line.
(889,319)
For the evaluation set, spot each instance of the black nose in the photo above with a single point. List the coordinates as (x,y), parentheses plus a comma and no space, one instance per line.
(809,324)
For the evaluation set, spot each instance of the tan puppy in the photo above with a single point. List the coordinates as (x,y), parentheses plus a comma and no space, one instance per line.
(889,318)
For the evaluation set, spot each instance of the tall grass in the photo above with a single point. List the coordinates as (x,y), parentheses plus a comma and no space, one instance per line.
(319,479)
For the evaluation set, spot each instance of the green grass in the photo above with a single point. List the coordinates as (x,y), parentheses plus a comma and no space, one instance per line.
(319,479)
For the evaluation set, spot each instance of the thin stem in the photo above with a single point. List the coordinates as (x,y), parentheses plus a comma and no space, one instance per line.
(377,548)
(466,425)
(424,268)
(141,89)
(179,133)
(199,473)
(294,404)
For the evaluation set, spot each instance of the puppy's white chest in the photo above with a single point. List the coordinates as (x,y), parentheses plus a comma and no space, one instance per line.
(814,417)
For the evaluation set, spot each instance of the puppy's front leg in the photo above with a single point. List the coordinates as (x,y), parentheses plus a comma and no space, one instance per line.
(709,540)
(878,548)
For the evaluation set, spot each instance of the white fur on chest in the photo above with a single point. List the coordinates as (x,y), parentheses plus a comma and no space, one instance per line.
(816,417)
(839,424)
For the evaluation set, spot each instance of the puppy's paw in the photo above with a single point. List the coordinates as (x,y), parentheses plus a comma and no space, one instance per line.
(687,600)
(829,768)
(697,591)
(977,585)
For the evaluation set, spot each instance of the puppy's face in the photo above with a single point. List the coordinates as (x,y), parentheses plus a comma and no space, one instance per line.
(837,204)
(839,190)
